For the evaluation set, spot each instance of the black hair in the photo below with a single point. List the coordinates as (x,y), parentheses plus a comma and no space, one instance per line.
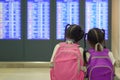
(94,36)
(85,50)
(74,32)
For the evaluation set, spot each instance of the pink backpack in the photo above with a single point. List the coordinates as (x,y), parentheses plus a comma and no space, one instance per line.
(68,63)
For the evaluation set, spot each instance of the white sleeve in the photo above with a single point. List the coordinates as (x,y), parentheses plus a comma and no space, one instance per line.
(111,57)
(87,55)
(81,51)
(54,52)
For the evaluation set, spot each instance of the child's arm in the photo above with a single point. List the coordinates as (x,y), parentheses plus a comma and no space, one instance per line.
(54,51)
(112,60)
(81,51)
(111,57)
(87,56)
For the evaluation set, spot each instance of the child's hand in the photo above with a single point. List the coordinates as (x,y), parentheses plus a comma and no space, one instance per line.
(117,63)
(51,64)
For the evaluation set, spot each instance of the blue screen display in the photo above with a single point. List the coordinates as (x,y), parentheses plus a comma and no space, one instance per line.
(38,20)
(67,12)
(96,15)
(10,27)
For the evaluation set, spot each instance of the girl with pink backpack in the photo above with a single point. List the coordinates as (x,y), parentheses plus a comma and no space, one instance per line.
(99,60)
(67,57)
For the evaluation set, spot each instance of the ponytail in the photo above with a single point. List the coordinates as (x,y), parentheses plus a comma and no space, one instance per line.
(85,50)
(66,31)
(98,47)
(104,38)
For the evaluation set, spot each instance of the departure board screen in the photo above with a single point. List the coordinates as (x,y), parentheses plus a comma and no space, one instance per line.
(67,12)
(10,27)
(38,20)
(97,15)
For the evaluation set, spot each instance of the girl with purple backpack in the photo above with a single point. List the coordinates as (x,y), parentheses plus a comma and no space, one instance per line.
(67,58)
(99,60)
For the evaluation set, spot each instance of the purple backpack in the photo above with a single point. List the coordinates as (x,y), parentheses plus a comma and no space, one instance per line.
(99,66)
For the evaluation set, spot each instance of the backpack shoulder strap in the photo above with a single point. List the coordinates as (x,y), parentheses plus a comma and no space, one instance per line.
(62,44)
(91,51)
(80,60)
(106,51)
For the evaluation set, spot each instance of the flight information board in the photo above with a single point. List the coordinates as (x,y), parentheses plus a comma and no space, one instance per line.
(38,19)
(10,27)
(96,15)
(67,12)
